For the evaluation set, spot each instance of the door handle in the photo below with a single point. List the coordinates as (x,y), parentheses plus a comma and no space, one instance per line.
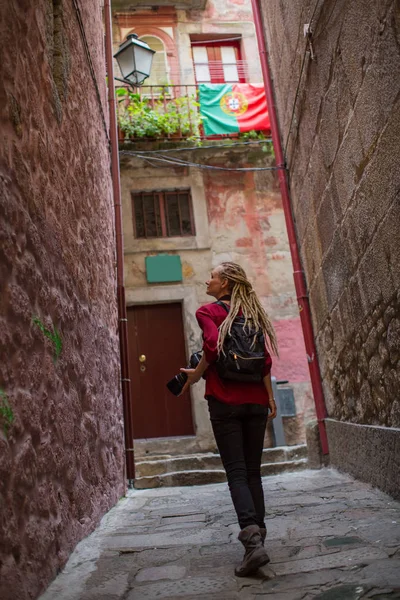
(142,358)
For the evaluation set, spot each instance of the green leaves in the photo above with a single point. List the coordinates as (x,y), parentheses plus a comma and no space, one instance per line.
(158,117)
(53,336)
(6,412)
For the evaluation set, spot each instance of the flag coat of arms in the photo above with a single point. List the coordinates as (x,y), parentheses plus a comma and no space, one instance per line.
(230,108)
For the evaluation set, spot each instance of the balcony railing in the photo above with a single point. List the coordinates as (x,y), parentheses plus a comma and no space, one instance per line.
(122,5)
(165,112)
(159,112)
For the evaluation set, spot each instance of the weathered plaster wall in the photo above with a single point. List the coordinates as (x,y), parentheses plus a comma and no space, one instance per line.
(61,463)
(220,17)
(174,28)
(343,155)
(239,217)
(247,225)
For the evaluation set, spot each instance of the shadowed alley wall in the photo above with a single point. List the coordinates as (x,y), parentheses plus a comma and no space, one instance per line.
(343,156)
(61,432)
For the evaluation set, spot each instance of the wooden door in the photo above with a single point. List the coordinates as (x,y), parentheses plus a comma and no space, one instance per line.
(155,334)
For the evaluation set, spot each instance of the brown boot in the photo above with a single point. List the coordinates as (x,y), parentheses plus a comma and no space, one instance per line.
(263,533)
(255,555)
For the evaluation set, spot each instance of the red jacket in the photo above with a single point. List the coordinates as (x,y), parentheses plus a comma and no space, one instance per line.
(209,318)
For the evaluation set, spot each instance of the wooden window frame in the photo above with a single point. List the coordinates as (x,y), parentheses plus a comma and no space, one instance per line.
(161,197)
(215,46)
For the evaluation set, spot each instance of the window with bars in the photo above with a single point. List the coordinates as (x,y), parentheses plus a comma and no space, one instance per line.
(165,213)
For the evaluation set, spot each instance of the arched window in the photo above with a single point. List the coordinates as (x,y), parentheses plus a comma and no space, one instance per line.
(159,71)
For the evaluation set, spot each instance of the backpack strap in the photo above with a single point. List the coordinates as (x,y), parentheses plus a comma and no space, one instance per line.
(226,307)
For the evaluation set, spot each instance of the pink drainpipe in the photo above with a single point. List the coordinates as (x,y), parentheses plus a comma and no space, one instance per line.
(122,314)
(298,274)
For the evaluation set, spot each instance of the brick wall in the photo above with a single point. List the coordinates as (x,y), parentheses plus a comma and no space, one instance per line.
(343,156)
(61,435)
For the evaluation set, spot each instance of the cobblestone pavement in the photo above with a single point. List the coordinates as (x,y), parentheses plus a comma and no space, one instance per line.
(329,537)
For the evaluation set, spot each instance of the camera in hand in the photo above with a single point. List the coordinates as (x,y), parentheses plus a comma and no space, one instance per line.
(175,385)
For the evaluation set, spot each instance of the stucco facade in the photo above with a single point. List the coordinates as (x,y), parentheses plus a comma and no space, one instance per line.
(237,215)
(239,219)
(61,430)
(343,153)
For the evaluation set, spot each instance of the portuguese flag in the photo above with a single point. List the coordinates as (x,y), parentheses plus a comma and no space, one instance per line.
(230,108)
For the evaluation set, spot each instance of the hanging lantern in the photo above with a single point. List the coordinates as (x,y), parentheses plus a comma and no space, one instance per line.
(134,59)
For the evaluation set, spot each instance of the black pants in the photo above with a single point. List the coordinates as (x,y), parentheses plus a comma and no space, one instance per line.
(239,432)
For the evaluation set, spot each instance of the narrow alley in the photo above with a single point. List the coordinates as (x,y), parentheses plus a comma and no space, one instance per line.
(199,284)
(329,537)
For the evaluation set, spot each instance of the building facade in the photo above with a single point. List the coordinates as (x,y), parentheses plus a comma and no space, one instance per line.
(342,152)
(180,206)
(61,429)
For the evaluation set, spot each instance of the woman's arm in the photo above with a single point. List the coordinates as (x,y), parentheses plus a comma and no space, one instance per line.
(194,375)
(210,334)
(271,400)
(210,354)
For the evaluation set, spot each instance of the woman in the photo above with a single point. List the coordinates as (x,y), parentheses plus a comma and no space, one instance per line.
(238,410)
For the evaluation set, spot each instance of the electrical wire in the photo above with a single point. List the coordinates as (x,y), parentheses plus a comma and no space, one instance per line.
(327,22)
(227,146)
(295,102)
(299,82)
(183,163)
(91,68)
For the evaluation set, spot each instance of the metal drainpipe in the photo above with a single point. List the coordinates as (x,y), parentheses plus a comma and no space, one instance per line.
(122,314)
(298,274)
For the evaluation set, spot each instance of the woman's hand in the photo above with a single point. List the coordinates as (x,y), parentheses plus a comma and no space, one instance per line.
(272,406)
(192,377)
(271,400)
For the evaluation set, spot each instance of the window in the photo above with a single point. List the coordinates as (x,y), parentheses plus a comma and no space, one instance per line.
(159,69)
(162,214)
(218,62)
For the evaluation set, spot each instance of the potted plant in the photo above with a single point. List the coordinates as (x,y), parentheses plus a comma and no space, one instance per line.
(159,117)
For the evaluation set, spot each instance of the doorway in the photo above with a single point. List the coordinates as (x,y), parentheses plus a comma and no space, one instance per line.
(156,352)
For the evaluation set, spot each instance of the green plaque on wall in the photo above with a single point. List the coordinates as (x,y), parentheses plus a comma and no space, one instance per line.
(163,268)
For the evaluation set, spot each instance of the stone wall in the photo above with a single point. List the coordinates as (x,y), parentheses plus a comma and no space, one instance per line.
(61,431)
(343,154)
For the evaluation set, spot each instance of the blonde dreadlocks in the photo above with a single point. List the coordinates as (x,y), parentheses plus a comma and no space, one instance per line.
(244,297)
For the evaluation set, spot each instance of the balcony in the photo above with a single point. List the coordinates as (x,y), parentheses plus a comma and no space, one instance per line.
(159,113)
(129,5)
(165,113)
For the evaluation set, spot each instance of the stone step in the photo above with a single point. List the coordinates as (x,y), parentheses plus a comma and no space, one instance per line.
(164,464)
(169,446)
(205,476)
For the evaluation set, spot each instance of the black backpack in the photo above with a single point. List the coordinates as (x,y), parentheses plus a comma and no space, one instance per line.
(243,354)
